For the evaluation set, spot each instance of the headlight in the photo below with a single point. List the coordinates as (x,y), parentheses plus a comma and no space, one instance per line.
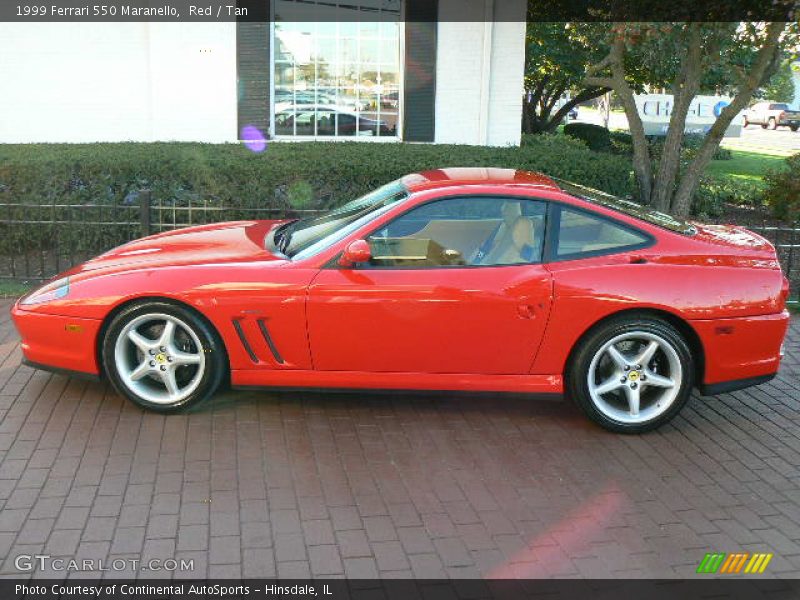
(55,290)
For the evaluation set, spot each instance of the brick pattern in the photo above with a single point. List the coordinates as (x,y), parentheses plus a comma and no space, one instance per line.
(298,485)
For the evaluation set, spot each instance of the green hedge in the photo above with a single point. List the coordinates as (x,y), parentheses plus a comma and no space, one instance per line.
(596,137)
(715,192)
(783,190)
(99,183)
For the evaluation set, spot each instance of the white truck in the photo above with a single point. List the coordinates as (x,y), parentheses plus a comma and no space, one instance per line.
(772,115)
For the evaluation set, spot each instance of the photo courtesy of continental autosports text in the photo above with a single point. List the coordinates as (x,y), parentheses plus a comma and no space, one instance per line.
(175,590)
(399,299)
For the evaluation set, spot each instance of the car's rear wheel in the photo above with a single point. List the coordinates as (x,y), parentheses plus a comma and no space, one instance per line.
(794,127)
(162,356)
(631,375)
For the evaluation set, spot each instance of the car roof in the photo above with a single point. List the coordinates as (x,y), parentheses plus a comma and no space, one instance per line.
(458,176)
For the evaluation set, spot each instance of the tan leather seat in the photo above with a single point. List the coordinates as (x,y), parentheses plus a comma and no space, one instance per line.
(516,246)
(497,239)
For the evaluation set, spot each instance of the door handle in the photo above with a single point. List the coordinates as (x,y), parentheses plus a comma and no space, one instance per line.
(526,311)
(636,259)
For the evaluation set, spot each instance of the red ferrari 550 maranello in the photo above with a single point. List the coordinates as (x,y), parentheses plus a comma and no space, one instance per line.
(456,279)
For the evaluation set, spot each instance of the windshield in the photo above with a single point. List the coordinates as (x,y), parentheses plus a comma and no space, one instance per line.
(627,207)
(296,236)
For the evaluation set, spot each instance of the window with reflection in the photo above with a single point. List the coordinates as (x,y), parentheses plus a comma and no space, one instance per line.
(338,76)
(470,231)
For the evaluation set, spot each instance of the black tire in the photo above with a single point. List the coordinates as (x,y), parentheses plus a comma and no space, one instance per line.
(773,124)
(215,366)
(763,126)
(794,127)
(577,385)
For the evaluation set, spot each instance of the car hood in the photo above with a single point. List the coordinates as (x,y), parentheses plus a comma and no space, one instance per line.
(204,244)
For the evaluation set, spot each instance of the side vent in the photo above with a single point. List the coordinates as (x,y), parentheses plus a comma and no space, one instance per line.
(268,338)
(242,338)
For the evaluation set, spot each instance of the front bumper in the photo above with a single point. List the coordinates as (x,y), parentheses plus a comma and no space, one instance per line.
(741,352)
(57,342)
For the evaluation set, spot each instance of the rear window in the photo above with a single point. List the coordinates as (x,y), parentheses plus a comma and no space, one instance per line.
(627,207)
(779,107)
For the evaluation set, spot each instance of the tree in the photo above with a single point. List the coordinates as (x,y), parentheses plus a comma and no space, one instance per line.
(736,58)
(556,58)
(780,87)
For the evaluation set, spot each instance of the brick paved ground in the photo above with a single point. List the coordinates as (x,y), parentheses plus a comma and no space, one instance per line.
(253,484)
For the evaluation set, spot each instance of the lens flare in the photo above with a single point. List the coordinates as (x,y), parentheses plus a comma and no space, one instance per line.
(253,139)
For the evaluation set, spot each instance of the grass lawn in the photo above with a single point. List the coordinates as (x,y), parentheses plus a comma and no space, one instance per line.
(745,165)
(10,289)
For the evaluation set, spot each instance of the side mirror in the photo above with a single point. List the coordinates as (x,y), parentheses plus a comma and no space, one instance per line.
(356,252)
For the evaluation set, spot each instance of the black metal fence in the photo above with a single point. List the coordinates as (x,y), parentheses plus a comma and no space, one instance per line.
(37,241)
(787,244)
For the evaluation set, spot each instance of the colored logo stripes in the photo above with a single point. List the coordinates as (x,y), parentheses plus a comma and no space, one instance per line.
(735,562)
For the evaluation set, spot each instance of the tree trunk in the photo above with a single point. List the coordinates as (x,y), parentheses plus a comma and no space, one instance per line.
(582,96)
(683,93)
(605,107)
(642,168)
(538,117)
(682,200)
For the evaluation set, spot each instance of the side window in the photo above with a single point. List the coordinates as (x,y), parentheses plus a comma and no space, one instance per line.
(476,231)
(580,233)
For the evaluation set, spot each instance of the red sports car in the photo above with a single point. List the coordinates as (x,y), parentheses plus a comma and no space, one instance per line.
(456,279)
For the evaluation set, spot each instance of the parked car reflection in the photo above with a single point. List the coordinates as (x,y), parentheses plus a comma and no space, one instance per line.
(326,120)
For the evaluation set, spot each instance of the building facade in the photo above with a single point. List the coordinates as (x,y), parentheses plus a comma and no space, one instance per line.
(441,71)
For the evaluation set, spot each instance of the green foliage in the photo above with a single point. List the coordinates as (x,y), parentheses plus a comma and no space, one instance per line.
(714,193)
(783,189)
(12,289)
(655,51)
(721,153)
(597,138)
(780,87)
(621,143)
(93,190)
(692,143)
(557,55)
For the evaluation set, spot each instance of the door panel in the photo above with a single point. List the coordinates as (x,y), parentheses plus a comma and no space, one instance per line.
(261,314)
(487,320)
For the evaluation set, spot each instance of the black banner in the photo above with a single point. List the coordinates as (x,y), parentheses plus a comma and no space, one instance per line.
(42,11)
(398,589)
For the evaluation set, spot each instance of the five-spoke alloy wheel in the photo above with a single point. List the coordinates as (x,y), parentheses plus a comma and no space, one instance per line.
(631,375)
(163,356)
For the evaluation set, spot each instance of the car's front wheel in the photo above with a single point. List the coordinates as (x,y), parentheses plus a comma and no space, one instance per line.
(162,356)
(631,375)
